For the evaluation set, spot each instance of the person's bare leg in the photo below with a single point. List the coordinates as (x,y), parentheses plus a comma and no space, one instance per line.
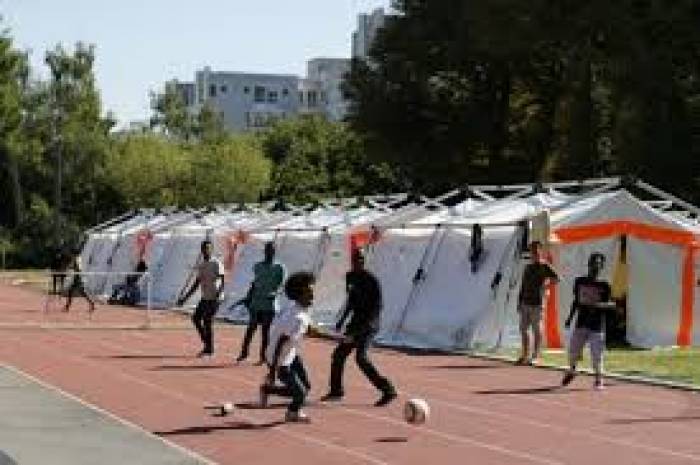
(537,336)
(524,345)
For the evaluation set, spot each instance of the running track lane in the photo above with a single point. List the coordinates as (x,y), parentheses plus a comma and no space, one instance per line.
(483,412)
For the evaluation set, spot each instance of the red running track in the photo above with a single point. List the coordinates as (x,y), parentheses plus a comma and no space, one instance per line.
(483,412)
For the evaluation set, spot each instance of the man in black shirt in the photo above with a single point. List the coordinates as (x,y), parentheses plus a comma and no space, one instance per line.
(530,302)
(365,304)
(591,301)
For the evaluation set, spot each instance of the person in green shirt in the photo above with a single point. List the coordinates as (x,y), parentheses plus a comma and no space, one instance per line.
(261,300)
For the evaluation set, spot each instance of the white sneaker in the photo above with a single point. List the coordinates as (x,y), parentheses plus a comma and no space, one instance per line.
(296,417)
(263,396)
(598,385)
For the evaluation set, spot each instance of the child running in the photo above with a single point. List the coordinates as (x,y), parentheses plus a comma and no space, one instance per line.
(591,301)
(283,352)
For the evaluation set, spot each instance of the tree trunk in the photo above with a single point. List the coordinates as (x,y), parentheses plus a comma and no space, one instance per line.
(9,164)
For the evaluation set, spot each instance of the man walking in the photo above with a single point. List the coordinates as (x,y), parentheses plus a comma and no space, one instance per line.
(530,302)
(210,277)
(262,300)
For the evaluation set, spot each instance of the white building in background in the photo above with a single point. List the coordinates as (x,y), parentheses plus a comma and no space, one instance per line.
(246,101)
(249,101)
(329,74)
(367,27)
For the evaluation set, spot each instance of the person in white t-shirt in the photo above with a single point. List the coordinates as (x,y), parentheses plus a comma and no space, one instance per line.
(283,351)
(210,278)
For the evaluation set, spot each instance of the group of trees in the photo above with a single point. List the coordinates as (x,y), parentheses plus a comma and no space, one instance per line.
(64,166)
(498,91)
(454,92)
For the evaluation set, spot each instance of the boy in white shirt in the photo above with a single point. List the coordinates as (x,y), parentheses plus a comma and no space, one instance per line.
(283,351)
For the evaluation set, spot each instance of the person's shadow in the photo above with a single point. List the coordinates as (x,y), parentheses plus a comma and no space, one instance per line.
(557,389)
(228,426)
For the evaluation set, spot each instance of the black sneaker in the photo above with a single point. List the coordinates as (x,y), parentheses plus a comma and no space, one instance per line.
(240,358)
(332,397)
(568,378)
(386,399)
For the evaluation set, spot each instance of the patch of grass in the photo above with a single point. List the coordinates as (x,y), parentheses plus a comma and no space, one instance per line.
(35,279)
(668,364)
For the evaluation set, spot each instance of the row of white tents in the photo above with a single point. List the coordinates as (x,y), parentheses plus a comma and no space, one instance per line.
(419,248)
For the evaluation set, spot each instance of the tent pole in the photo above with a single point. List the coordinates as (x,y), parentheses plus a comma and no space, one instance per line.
(665,195)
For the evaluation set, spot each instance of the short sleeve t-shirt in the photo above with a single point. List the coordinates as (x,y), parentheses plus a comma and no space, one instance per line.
(268,278)
(534,277)
(209,272)
(588,292)
(292,322)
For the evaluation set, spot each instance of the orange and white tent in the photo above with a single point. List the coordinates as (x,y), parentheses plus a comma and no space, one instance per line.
(661,262)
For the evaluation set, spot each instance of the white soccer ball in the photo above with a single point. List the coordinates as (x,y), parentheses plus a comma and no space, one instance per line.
(226,408)
(416,411)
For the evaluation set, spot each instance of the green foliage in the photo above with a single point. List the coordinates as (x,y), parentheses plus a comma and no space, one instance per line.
(146,170)
(315,158)
(501,90)
(233,169)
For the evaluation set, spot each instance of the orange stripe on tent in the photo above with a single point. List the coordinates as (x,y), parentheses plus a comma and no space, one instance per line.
(551,318)
(647,232)
(551,313)
(685,329)
(362,237)
(573,234)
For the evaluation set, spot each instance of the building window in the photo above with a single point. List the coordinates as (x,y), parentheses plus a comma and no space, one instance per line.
(259,95)
(259,120)
(212,90)
(324,97)
(301,97)
(272,96)
(246,90)
(311,98)
(223,89)
(200,91)
(285,92)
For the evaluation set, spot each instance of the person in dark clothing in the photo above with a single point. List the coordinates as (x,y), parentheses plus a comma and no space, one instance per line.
(531,301)
(592,300)
(59,265)
(77,286)
(365,304)
(129,293)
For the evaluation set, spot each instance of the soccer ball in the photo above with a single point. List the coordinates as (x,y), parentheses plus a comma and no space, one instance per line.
(416,411)
(226,408)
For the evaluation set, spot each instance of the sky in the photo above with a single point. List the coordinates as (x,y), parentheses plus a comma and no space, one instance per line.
(140,44)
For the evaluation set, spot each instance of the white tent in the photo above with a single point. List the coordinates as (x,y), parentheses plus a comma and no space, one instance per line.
(432,298)
(420,253)
(316,242)
(660,250)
